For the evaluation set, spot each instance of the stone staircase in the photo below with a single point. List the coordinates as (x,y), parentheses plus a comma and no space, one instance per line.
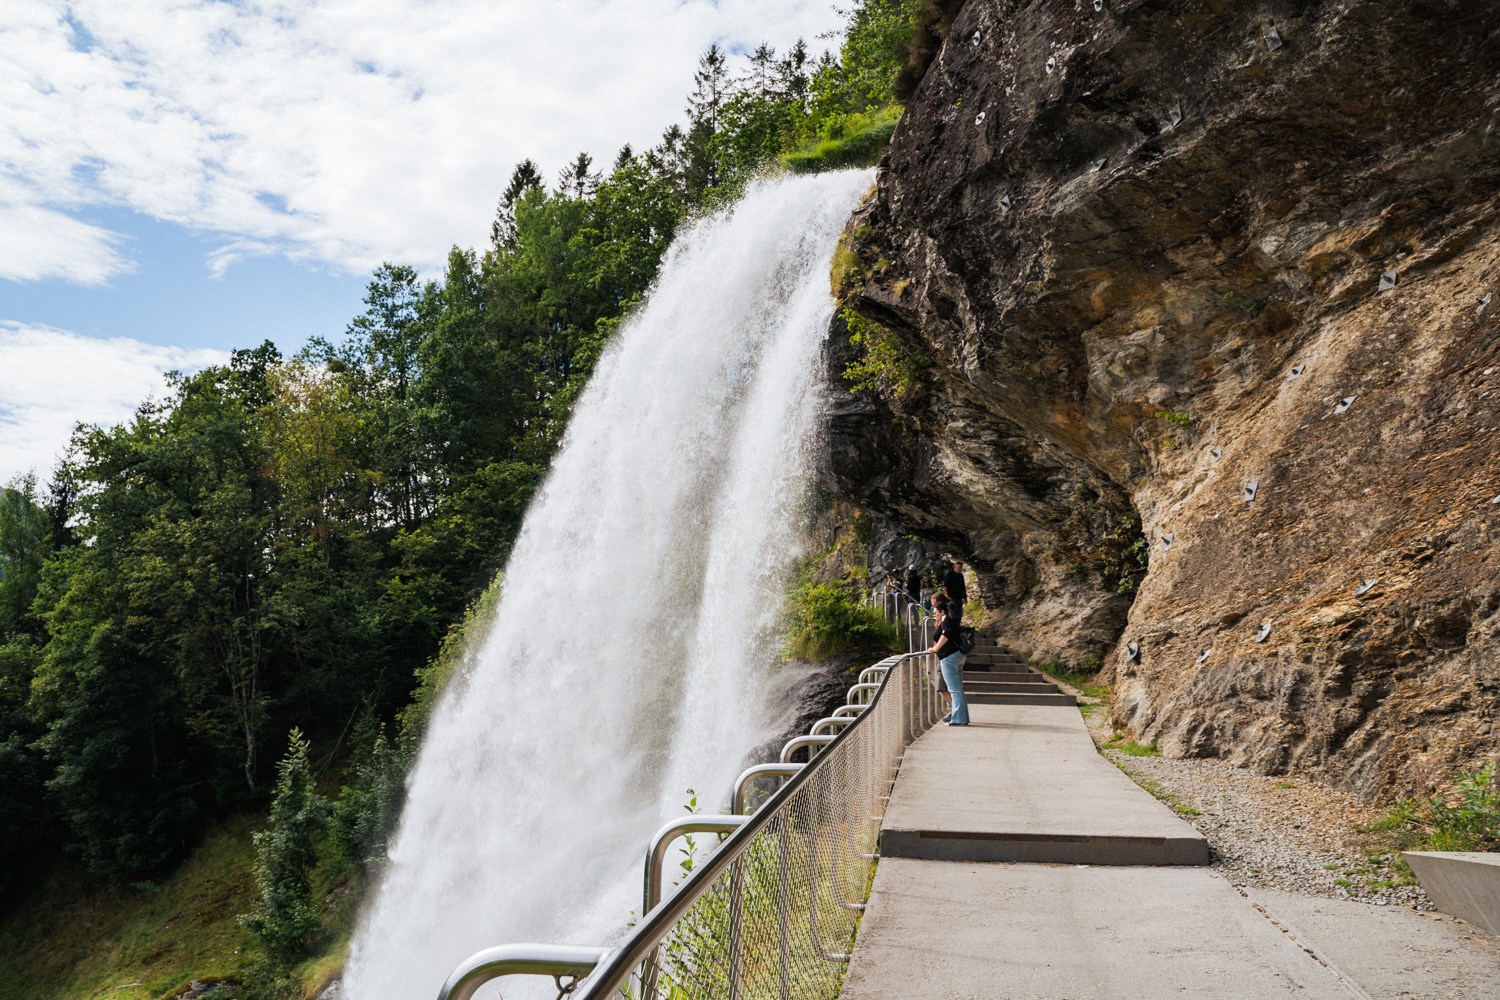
(993,675)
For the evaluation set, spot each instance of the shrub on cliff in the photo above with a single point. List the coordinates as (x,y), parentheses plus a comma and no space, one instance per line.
(821,620)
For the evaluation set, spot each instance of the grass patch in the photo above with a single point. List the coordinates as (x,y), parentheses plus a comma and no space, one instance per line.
(76,937)
(851,140)
(1161,794)
(73,936)
(1130,748)
(1085,678)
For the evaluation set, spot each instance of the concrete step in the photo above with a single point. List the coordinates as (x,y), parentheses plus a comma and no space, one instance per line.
(1010,676)
(979,698)
(1023,782)
(1003,687)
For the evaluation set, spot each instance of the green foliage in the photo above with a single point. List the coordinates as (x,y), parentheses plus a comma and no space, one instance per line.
(887,365)
(1084,678)
(845,139)
(822,620)
(1125,555)
(1465,819)
(69,936)
(1174,418)
(874,50)
(25,540)
(285,855)
(365,815)
(1131,748)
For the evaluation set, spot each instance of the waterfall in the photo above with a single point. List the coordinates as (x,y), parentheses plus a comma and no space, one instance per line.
(627,658)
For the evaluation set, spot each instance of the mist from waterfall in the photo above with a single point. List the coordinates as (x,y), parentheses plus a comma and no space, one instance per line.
(628,656)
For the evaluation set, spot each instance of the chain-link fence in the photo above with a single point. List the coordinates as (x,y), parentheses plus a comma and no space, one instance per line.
(772,914)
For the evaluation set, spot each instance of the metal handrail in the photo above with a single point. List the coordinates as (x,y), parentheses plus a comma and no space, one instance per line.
(612,968)
(658,923)
(848,710)
(871,687)
(877,671)
(793,745)
(830,722)
(555,960)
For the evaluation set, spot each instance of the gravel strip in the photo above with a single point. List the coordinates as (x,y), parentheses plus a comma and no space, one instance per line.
(1278,833)
(1287,833)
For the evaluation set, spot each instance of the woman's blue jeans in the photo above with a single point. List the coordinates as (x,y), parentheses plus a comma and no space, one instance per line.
(953,675)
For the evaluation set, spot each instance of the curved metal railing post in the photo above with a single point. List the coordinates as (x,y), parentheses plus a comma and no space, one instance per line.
(555,960)
(656,854)
(749,774)
(663,839)
(793,745)
(829,722)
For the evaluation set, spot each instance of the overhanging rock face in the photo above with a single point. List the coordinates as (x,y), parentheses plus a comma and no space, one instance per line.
(1150,280)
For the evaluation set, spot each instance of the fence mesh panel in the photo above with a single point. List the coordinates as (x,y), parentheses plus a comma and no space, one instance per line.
(772,914)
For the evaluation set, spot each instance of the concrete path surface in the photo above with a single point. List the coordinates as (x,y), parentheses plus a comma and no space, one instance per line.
(1024,783)
(1390,951)
(971,900)
(941,930)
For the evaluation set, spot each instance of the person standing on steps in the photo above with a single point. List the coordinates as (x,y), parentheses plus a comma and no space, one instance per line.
(957,591)
(951,658)
(913,584)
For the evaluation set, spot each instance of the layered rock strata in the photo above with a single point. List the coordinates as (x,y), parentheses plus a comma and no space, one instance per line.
(1132,260)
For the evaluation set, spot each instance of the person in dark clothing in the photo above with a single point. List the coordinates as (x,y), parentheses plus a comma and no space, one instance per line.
(945,647)
(913,582)
(956,589)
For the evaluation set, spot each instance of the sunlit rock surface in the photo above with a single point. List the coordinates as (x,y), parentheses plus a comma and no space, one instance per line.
(1076,314)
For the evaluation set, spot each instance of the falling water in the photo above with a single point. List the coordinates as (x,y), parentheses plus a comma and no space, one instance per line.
(625,663)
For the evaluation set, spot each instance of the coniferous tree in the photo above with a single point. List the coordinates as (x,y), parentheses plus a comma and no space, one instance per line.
(576,179)
(285,855)
(526,176)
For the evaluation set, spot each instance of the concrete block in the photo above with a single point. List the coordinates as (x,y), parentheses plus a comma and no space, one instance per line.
(1463,883)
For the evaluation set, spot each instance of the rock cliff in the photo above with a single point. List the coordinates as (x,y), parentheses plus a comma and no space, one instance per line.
(1120,288)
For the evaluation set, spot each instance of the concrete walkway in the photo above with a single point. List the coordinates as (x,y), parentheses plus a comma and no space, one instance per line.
(1109,907)
(943,930)
(1024,783)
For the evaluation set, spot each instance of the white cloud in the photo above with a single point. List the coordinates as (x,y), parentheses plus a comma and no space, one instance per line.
(51,380)
(347,132)
(38,242)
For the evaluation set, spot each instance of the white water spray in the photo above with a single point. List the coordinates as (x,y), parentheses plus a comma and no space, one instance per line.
(627,656)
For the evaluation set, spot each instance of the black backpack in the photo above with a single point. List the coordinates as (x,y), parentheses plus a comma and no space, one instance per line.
(966,640)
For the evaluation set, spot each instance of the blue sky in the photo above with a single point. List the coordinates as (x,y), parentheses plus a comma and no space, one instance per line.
(182,178)
(171,297)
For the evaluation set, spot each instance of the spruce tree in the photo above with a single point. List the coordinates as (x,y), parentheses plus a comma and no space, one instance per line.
(286,855)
